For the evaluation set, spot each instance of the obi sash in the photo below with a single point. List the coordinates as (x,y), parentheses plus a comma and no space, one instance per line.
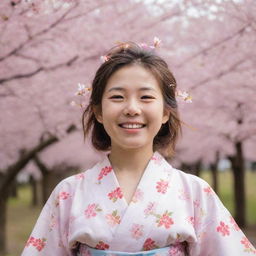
(178,250)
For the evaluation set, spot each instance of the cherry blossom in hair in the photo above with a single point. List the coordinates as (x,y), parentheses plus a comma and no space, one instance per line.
(83,101)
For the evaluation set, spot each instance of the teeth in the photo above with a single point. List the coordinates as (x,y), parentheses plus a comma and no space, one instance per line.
(132,126)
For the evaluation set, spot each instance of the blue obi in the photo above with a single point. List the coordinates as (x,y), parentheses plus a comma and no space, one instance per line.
(177,250)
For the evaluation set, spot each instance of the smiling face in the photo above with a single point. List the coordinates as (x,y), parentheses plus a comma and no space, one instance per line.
(132,110)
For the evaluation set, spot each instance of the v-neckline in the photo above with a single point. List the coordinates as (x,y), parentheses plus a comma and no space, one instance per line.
(139,184)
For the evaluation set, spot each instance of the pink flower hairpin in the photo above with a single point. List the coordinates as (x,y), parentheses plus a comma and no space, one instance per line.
(81,91)
(156,44)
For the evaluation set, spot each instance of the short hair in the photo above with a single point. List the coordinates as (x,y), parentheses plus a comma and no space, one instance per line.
(125,54)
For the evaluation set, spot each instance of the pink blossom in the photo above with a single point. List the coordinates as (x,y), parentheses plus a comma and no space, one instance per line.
(101,246)
(104,172)
(53,222)
(176,249)
(184,195)
(149,244)
(38,243)
(115,194)
(113,219)
(157,42)
(157,159)
(193,221)
(247,245)
(136,231)
(138,195)
(208,190)
(104,58)
(165,220)
(80,176)
(63,195)
(246,242)
(162,186)
(196,203)
(150,208)
(223,229)
(91,210)
(232,221)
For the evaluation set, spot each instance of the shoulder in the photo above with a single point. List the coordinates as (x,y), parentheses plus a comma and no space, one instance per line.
(77,181)
(195,186)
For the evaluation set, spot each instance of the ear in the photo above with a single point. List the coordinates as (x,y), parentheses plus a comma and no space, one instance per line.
(98,113)
(166,115)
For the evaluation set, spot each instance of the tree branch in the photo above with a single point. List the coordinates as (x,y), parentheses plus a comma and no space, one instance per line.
(38,70)
(214,45)
(11,172)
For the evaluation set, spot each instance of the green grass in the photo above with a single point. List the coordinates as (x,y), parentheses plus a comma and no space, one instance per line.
(22,217)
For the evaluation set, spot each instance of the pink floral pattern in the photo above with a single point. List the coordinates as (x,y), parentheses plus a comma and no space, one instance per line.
(150,208)
(91,210)
(177,249)
(164,220)
(113,218)
(115,194)
(162,186)
(160,214)
(223,229)
(247,245)
(149,244)
(157,159)
(208,190)
(38,243)
(184,195)
(138,196)
(235,226)
(63,195)
(136,231)
(79,176)
(53,222)
(104,172)
(101,246)
(196,203)
(193,221)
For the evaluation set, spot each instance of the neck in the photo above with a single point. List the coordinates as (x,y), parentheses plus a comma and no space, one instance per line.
(132,161)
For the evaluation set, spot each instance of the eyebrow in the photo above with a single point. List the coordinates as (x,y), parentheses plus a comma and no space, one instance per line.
(122,89)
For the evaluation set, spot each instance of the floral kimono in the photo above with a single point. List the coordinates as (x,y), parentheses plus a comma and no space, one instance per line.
(171,213)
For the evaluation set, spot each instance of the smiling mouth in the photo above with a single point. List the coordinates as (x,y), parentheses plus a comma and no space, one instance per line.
(132,126)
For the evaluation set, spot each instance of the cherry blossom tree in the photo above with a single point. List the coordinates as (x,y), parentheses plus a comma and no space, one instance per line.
(48,47)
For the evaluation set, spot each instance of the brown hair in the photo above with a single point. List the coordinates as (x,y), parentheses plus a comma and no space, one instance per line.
(123,55)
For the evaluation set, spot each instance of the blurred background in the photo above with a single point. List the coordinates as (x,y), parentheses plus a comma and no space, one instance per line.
(47,47)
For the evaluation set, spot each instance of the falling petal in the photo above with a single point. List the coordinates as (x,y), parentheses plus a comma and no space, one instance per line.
(157,42)
(104,58)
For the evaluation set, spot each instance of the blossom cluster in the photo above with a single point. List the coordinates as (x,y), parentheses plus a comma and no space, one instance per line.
(38,243)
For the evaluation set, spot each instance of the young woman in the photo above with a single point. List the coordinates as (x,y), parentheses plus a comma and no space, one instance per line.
(134,202)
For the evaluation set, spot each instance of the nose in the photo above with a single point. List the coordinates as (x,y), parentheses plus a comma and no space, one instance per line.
(132,108)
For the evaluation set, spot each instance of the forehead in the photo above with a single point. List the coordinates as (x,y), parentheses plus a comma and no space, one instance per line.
(133,77)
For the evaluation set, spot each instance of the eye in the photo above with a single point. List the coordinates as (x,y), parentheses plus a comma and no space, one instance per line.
(116,97)
(147,97)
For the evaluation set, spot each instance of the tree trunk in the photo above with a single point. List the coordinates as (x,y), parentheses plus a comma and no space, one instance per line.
(3,214)
(238,170)
(198,167)
(46,186)
(33,184)
(13,189)
(10,174)
(214,171)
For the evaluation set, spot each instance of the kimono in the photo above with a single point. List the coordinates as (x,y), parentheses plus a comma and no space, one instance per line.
(171,213)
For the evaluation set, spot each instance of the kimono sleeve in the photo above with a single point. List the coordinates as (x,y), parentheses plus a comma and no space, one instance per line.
(217,232)
(50,234)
